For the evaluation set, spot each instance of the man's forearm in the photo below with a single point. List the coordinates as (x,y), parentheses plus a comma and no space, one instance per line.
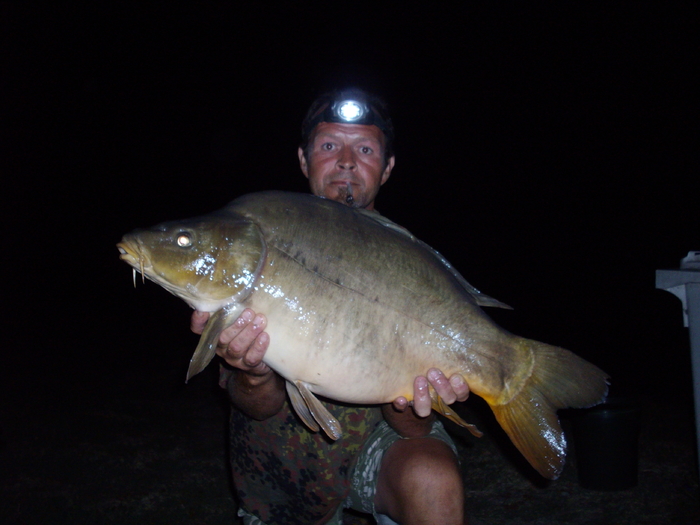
(258,397)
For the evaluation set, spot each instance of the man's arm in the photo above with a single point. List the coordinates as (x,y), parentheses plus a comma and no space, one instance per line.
(254,388)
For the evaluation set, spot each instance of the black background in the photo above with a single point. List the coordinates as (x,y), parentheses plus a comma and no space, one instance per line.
(549,152)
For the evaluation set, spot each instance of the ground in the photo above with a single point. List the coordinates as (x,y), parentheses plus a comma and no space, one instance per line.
(129,453)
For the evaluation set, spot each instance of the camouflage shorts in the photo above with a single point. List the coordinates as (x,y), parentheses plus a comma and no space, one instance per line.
(363,481)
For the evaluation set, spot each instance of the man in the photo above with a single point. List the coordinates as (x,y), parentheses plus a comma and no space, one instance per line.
(393,461)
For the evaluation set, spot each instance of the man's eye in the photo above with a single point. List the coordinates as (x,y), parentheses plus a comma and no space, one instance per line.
(327,146)
(366,150)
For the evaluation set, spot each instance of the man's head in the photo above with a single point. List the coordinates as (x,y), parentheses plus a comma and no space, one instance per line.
(347,147)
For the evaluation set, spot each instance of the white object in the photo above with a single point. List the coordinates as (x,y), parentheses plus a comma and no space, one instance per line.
(684,283)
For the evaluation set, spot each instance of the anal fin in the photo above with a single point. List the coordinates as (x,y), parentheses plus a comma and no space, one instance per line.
(441,408)
(311,410)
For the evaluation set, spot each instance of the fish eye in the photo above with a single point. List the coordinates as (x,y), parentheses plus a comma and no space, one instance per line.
(184,240)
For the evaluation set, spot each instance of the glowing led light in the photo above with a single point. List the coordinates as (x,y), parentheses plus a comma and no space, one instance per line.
(350,111)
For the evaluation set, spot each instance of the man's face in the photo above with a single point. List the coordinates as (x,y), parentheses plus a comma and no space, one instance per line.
(346,159)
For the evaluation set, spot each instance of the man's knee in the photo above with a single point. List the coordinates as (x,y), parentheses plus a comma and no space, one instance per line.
(427,463)
(419,472)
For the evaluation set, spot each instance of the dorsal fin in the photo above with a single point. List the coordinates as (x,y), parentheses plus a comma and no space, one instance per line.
(481,298)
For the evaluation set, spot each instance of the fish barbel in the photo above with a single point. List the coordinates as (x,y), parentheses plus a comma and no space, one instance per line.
(357,308)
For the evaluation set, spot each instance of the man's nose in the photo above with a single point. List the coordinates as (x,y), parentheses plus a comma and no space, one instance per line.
(346,160)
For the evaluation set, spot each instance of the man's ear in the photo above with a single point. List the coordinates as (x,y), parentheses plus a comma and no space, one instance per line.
(387,170)
(303,164)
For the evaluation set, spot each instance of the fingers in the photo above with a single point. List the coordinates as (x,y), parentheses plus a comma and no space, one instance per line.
(422,404)
(241,334)
(400,403)
(244,343)
(460,387)
(249,360)
(454,389)
(198,321)
(256,352)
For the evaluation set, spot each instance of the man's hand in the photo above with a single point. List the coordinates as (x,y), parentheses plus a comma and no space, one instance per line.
(243,344)
(256,390)
(419,421)
(456,389)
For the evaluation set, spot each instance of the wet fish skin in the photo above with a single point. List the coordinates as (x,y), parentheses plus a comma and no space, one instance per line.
(357,308)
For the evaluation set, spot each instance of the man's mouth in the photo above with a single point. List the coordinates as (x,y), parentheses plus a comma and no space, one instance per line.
(345,192)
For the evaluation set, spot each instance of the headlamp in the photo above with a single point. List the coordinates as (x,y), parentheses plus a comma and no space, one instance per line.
(348,108)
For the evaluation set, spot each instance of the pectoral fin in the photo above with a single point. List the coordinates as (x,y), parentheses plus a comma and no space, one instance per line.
(311,410)
(206,349)
(441,408)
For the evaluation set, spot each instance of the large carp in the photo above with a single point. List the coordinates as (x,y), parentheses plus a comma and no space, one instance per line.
(357,308)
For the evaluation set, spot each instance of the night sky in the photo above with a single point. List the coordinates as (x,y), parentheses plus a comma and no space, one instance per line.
(549,153)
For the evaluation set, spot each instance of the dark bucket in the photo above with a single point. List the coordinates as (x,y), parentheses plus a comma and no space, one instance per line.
(606,443)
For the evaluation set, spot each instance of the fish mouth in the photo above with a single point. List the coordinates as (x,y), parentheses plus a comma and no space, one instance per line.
(131,254)
(135,258)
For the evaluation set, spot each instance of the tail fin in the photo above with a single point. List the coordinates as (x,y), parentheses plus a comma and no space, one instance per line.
(559,379)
